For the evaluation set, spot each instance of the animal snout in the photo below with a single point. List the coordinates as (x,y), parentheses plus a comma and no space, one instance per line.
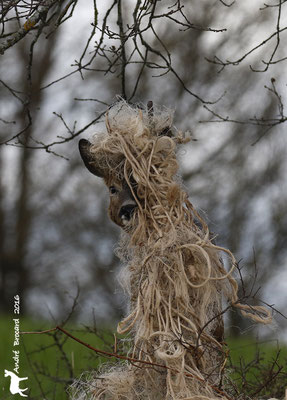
(126,212)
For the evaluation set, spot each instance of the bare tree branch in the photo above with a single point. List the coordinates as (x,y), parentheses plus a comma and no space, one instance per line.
(39,14)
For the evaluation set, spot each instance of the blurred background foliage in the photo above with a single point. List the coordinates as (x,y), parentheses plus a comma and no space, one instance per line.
(57,242)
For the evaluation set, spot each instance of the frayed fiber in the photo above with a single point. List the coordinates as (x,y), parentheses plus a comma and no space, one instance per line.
(174,272)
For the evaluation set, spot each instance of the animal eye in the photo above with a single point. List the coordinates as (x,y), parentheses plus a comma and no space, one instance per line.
(112,189)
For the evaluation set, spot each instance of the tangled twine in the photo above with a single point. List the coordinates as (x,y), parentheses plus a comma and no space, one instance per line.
(174,274)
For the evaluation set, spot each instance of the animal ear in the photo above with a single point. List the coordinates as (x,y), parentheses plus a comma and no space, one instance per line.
(90,161)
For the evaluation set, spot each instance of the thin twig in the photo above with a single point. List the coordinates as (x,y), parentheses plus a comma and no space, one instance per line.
(130,359)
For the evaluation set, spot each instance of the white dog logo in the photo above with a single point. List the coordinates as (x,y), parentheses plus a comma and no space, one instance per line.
(14,383)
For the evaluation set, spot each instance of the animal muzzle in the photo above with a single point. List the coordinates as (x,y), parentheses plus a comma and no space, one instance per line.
(126,212)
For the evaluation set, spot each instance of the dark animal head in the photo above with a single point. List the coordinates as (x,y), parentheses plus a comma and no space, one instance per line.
(122,203)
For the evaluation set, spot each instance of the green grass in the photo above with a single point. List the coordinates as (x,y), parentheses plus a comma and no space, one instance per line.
(255,364)
(248,347)
(51,361)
